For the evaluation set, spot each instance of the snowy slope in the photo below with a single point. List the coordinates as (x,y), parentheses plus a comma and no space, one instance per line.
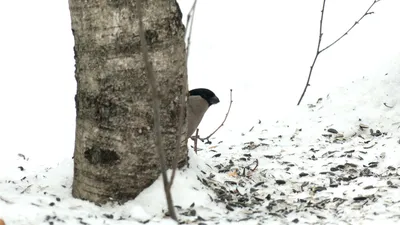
(305,174)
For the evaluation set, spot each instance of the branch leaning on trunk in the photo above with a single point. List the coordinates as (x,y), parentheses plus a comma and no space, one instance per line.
(156,109)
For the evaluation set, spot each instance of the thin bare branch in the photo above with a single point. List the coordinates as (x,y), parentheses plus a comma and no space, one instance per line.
(355,23)
(222,124)
(179,131)
(190,18)
(320,38)
(184,94)
(195,141)
(156,109)
(316,55)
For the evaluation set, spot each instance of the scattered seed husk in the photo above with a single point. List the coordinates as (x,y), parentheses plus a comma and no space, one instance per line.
(231,182)
(377,133)
(391,168)
(228,207)
(332,130)
(334,169)
(373,164)
(216,155)
(340,167)
(371,146)
(199,218)
(192,212)
(369,187)
(338,136)
(280,182)
(259,183)
(365,172)
(108,216)
(334,185)
(302,174)
(360,198)
(319,189)
(321,217)
(349,178)
(327,172)
(351,165)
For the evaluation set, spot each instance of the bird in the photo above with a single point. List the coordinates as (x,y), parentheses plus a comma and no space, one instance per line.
(200,99)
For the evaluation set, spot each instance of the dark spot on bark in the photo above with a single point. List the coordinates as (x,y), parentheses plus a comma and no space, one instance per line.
(101,156)
(149,118)
(117,3)
(125,44)
(108,107)
(151,36)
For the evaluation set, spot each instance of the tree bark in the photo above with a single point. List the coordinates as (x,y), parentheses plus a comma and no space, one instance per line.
(115,156)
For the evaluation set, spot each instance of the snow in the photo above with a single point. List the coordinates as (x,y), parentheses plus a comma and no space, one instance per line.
(262,50)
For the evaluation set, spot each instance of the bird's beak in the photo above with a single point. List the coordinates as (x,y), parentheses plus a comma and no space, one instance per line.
(214,100)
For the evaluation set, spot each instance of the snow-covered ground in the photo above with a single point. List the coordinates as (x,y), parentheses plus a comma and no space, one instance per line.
(333,160)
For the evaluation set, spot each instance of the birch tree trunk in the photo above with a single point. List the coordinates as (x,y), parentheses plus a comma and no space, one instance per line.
(115,156)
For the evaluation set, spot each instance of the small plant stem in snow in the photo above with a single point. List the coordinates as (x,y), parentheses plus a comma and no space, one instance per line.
(223,122)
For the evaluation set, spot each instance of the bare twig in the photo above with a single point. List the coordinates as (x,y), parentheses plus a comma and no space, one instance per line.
(222,124)
(355,23)
(316,55)
(6,201)
(156,109)
(184,94)
(195,141)
(190,18)
(334,42)
(255,166)
(26,189)
(179,132)
(385,104)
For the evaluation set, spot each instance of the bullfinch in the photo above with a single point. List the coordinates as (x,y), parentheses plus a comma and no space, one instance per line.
(200,99)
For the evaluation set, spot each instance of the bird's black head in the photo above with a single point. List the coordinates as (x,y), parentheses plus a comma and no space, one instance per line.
(206,94)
